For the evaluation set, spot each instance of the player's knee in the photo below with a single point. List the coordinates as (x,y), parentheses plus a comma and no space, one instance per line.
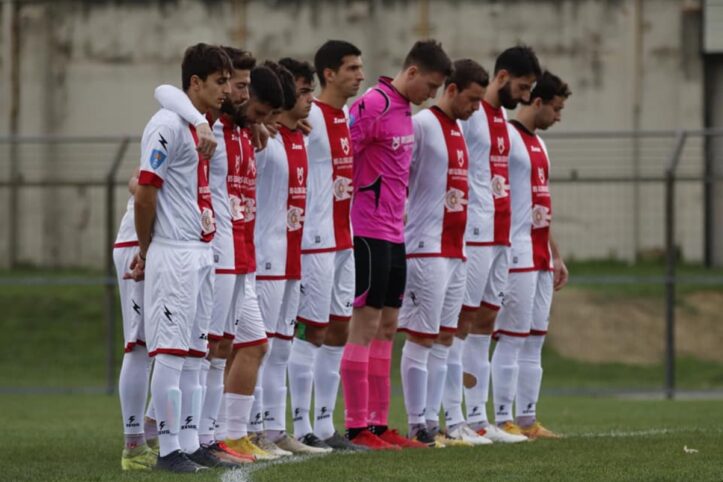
(420,340)
(337,333)
(445,338)
(224,348)
(312,334)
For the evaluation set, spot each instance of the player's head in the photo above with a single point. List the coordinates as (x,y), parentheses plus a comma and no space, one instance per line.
(339,66)
(265,96)
(242,62)
(547,100)
(205,74)
(424,71)
(303,74)
(465,88)
(516,70)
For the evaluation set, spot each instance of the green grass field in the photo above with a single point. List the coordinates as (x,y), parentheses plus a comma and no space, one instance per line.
(55,338)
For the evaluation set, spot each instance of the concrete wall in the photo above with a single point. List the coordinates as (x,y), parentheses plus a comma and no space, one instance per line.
(89,68)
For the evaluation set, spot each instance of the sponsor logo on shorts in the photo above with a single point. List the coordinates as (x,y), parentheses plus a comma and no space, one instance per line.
(413,297)
(136,307)
(169,315)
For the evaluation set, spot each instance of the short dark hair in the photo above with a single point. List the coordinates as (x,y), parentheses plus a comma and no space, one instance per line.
(288,86)
(331,56)
(429,56)
(266,87)
(298,68)
(240,59)
(466,72)
(548,87)
(519,61)
(203,60)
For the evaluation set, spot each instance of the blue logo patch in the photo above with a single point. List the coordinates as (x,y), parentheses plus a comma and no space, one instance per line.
(352,119)
(157,158)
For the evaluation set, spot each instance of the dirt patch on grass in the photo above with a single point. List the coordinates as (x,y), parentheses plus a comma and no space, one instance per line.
(593,327)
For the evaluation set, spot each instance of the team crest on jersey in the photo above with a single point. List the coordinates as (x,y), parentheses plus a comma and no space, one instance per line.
(501,144)
(541,216)
(236,207)
(157,158)
(345,145)
(294,218)
(460,157)
(208,223)
(541,175)
(454,200)
(342,188)
(300,175)
(499,186)
(249,209)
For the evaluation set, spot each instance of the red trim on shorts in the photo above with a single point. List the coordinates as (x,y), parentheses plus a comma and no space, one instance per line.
(417,333)
(284,337)
(529,270)
(132,344)
(434,255)
(169,351)
(126,244)
(197,354)
(497,333)
(448,329)
(228,336)
(280,277)
(212,337)
(325,250)
(310,322)
(538,332)
(147,178)
(469,308)
(487,243)
(489,306)
(230,271)
(247,344)
(339,318)
(269,335)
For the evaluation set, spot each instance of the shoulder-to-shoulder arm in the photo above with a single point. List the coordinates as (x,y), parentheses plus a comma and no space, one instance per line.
(174,99)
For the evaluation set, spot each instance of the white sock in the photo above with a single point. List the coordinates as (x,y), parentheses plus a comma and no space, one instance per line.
(273,381)
(504,375)
(326,387)
(452,397)
(436,376)
(166,396)
(211,400)
(221,431)
(301,378)
(256,419)
(529,379)
(476,362)
(238,408)
(133,389)
(191,400)
(414,381)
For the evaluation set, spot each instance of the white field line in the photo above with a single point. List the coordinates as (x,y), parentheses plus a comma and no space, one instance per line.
(244,473)
(640,433)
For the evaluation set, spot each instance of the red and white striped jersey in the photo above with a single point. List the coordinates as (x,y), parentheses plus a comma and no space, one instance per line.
(229,244)
(126,236)
(170,162)
(438,189)
(531,202)
(329,189)
(248,189)
(281,201)
(488,142)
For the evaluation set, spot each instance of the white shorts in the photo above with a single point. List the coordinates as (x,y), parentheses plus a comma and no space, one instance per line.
(526,310)
(327,287)
(226,291)
(249,327)
(279,303)
(131,299)
(433,296)
(179,297)
(487,268)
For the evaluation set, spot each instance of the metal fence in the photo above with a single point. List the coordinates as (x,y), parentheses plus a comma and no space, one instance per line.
(626,196)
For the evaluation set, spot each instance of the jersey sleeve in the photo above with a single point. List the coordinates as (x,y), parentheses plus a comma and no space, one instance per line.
(418,140)
(363,117)
(156,146)
(175,100)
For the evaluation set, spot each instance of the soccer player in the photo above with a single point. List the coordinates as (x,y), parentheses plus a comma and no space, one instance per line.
(434,241)
(175,224)
(382,142)
(327,258)
(133,382)
(536,267)
(487,240)
(281,202)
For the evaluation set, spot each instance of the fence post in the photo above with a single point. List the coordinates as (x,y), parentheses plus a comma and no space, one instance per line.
(670,269)
(110,288)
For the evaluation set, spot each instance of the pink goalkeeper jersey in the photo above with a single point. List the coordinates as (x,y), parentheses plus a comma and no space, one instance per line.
(437,209)
(383,138)
(531,202)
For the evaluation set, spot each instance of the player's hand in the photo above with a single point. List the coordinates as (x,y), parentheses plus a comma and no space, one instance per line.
(137,269)
(273,129)
(560,274)
(259,136)
(304,126)
(206,140)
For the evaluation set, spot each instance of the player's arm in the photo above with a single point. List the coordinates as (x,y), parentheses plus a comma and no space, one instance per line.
(175,100)
(559,268)
(133,182)
(363,117)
